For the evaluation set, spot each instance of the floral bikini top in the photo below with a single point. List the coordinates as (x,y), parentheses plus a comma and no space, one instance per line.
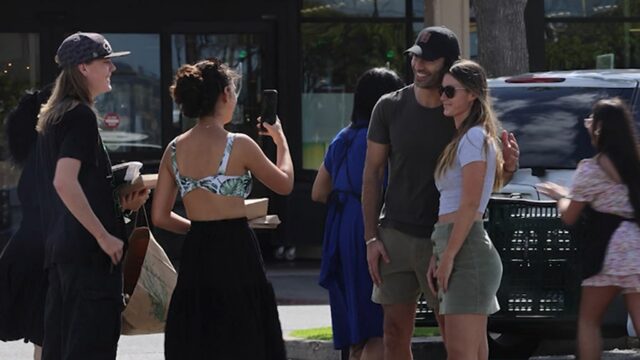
(220,183)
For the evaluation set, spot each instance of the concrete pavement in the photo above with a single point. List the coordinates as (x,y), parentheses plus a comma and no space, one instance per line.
(150,347)
(302,305)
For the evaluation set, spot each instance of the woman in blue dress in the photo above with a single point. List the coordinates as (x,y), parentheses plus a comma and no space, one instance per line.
(356,320)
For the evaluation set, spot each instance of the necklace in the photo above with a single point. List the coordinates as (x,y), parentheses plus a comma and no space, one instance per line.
(206,125)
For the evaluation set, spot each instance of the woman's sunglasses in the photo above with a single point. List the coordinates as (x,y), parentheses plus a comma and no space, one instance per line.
(449,91)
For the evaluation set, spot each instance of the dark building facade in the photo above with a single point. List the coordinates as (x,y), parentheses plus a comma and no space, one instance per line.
(311,51)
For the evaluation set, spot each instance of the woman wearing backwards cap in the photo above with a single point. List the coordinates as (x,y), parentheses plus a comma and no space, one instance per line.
(83,223)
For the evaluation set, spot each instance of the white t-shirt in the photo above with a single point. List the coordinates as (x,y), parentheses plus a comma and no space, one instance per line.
(470,149)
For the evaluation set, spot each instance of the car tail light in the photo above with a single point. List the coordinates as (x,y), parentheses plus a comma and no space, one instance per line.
(530,78)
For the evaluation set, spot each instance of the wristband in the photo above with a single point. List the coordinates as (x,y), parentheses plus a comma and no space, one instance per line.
(371,240)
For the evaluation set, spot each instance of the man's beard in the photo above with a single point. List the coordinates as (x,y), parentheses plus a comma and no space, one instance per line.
(434,81)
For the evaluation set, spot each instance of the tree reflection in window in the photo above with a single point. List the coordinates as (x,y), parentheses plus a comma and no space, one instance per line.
(243,52)
(330,71)
(364,8)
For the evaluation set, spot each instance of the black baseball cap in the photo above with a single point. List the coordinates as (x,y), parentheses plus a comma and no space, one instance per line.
(83,47)
(435,42)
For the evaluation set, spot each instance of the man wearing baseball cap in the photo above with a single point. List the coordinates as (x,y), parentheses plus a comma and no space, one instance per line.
(408,132)
(83,221)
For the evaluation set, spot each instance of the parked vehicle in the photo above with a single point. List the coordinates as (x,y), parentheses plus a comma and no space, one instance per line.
(540,289)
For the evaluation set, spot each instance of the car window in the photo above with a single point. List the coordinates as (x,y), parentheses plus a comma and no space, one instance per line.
(548,121)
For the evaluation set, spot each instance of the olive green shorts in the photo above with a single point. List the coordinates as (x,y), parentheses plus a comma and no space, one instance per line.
(405,277)
(476,275)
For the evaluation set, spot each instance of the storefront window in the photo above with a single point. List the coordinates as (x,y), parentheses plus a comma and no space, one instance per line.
(589,45)
(364,8)
(19,72)
(242,52)
(418,8)
(591,8)
(330,72)
(130,116)
(473,40)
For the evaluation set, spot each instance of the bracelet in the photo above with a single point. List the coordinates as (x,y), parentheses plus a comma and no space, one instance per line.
(366,243)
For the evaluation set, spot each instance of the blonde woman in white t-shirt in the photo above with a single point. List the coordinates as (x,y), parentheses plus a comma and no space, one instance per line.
(465,270)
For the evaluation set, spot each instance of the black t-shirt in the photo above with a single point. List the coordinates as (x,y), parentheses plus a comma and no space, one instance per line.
(76,136)
(416,136)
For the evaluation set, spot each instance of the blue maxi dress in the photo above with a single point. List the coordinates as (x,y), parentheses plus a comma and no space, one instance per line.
(355,318)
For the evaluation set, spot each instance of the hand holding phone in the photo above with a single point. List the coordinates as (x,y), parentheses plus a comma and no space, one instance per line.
(269,106)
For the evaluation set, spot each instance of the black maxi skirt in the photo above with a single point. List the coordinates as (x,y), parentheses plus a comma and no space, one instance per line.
(223,307)
(23,287)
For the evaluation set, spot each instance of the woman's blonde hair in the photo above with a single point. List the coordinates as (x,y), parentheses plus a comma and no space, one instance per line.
(69,90)
(474,79)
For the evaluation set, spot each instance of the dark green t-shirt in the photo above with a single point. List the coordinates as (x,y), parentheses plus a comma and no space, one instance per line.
(416,136)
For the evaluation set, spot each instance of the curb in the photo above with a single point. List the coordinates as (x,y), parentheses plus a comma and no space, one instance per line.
(433,348)
(300,349)
(615,354)
(288,301)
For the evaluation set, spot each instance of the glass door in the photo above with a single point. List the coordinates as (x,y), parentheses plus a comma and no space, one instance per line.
(130,116)
(242,52)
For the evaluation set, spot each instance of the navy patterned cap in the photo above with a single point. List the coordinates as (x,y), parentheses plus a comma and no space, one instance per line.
(83,47)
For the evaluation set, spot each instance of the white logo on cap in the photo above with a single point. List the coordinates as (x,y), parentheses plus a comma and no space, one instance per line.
(106,46)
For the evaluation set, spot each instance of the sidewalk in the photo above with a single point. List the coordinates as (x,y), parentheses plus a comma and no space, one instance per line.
(150,347)
(302,304)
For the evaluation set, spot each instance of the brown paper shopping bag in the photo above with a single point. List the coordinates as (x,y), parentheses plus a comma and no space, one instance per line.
(149,280)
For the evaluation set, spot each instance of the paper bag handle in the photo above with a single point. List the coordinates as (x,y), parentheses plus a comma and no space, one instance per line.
(146,218)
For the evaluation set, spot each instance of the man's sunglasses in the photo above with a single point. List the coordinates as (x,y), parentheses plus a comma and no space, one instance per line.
(449,91)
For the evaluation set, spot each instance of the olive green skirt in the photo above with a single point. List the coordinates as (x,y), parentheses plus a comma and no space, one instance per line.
(476,275)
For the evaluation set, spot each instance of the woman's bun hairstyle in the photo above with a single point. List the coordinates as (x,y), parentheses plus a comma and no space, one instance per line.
(196,87)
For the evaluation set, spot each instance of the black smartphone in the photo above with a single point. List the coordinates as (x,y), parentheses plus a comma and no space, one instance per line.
(269,106)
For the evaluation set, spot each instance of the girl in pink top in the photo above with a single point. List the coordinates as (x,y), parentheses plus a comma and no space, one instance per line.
(609,183)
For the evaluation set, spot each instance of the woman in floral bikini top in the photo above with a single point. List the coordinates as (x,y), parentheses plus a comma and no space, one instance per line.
(223,305)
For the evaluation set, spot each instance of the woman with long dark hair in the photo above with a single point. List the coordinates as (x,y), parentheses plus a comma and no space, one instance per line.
(608,183)
(356,320)
(223,305)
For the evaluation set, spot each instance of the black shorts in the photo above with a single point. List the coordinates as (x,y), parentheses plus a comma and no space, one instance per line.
(83,312)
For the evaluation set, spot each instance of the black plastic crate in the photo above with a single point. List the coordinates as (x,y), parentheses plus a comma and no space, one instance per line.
(539,256)
(528,230)
(546,288)
(541,266)
(424,314)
